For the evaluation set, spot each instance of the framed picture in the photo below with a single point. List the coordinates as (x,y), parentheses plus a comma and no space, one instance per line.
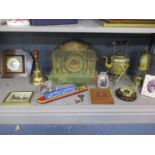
(15,63)
(18,98)
(148,88)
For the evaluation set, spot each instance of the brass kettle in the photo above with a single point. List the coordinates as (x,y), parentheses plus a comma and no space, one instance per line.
(119,62)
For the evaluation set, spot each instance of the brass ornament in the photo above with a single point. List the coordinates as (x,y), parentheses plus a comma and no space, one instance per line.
(37,76)
(145,60)
(126,93)
(119,62)
(143,67)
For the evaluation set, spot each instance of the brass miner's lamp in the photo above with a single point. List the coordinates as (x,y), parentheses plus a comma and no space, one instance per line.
(37,76)
(144,66)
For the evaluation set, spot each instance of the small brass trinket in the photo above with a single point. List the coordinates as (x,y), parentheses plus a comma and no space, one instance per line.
(126,93)
(37,76)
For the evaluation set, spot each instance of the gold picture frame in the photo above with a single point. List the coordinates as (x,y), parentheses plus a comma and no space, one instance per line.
(18,98)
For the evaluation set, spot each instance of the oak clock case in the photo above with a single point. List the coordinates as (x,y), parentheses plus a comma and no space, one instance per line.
(15,63)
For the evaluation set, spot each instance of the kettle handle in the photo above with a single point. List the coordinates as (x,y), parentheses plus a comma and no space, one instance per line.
(123,42)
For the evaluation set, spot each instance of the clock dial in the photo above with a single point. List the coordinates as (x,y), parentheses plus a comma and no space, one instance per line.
(14,64)
(73,63)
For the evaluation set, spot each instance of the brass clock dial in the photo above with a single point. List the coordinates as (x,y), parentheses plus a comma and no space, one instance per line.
(73,63)
(14,64)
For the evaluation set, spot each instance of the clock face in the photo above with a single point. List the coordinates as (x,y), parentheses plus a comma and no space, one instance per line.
(73,63)
(14,64)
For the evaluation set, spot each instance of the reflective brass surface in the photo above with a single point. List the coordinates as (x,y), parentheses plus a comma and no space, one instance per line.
(126,93)
(143,67)
(37,76)
(118,65)
(119,62)
(145,60)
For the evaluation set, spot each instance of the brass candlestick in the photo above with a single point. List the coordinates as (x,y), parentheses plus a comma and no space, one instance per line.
(37,76)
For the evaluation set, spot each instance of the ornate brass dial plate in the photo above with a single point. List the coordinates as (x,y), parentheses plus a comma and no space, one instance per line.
(73,63)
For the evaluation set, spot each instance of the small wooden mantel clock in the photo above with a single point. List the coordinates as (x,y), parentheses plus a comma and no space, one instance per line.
(15,63)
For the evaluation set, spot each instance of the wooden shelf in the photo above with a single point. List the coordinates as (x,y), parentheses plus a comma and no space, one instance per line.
(83,26)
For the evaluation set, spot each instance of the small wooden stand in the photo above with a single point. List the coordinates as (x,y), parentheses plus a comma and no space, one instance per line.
(101,96)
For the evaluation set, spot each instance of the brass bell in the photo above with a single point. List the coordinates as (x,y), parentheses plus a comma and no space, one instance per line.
(37,76)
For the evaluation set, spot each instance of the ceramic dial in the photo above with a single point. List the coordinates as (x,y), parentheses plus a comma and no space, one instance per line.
(14,64)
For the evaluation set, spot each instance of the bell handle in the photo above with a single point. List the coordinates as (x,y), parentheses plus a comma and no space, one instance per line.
(36,57)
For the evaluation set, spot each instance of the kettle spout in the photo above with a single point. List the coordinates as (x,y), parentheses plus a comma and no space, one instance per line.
(107,64)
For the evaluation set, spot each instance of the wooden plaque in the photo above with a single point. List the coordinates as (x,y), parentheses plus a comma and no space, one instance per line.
(101,96)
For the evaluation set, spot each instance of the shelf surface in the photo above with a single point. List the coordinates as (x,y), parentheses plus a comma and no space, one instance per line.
(65,111)
(83,26)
